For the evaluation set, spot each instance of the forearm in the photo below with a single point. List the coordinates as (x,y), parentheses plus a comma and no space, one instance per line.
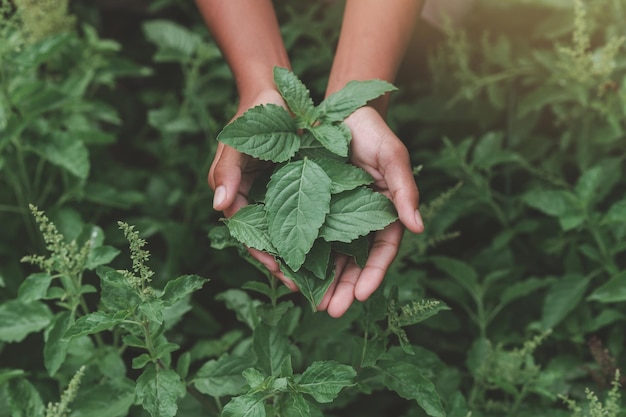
(373,40)
(248,34)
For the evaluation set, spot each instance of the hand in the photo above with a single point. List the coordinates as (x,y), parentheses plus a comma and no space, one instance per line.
(376,149)
(232,174)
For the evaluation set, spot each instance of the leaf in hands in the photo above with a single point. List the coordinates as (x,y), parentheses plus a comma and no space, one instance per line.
(313,149)
(356,213)
(334,137)
(267,132)
(358,249)
(323,380)
(296,95)
(354,95)
(249,226)
(297,201)
(318,258)
(344,176)
(311,287)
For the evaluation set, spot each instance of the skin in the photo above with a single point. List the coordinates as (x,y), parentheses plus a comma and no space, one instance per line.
(373,39)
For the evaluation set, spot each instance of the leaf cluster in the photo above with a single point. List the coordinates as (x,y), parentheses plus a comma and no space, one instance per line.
(315,200)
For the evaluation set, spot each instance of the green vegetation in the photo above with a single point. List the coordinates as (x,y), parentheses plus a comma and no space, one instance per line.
(123,294)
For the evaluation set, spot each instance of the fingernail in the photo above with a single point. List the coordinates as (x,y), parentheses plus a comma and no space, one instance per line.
(219,197)
(418,219)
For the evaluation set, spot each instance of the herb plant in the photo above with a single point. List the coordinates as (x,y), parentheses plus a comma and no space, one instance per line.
(315,201)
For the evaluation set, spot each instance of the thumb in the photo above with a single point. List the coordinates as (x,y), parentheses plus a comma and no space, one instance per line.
(225,176)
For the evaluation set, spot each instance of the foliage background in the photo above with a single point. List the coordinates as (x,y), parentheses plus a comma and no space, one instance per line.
(109,111)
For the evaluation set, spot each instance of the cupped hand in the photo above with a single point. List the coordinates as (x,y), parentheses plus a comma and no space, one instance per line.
(377,150)
(232,174)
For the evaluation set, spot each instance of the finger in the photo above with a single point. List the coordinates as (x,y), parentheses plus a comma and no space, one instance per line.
(384,250)
(272,266)
(225,176)
(398,175)
(343,296)
(340,264)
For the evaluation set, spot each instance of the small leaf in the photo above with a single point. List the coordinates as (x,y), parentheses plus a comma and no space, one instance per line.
(296,95)
(271,347)
(563,296)
(24,399)
(101,255)
(616,213)
(323,380)
(175,42)
(297,201)
(35,287)
(249,405)
(177,289)
(253,377)
(95,322)
(267,132)
(354,95)
(153,310)
(223,377)
(309,285)
(66,152)
(294,405)
(344,176)
(105,399)
(117,292)
(55,349)
(318,258)
(18,319)
(612,291)
(249,226)
(357,213)
(357,249)
(334,137)
(158,390)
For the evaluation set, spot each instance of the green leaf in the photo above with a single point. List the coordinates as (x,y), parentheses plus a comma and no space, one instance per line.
(297,201)
(253,377)
(309,285)
(354,95)
(358,249)
(55,349)
(266,132)
(334,137)
(8,374)
(95,322)
(18,319)
(66,152)
(344,176)
(175,43)
(24,399)
(612,291)
(177,289)
(616,214)
(323,380)
(408,381)
(249,226)
(271,347)
(117,292)
(293,404)
(101,255)
(463,273)
(153,310)
(318,258)
(356,213)
(249,405)
(563,296)
(35,287)
(557,203)
(223,377)
(295,94)
(158,391)
(105,399)
(241,303)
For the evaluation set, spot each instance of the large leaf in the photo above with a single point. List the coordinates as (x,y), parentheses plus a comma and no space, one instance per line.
(409,382)
(323,380)
(35,287)
(66,152)
(557,203)
(271,347)
(562,297)
(334,137)
(117,292)
(297,201)
(95,322)
(223,376)
(249,226)
(294,405)
(18,319)
(267,132)
(249,405)
(309,285)
(318,258)
(612,291)
(177,289)
(344,176)
(356,213)
(55,349)
(355,94)
(175,43)
(296,95)
(158,390)
(105,399)
(24,399)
